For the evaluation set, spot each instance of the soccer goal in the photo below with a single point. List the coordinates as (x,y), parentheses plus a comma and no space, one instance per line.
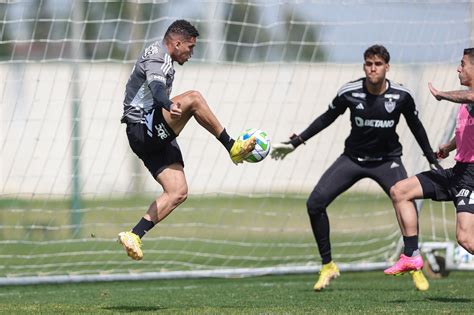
(69,183)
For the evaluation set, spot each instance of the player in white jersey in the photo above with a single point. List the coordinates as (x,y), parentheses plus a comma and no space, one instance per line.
(455,184)
(154,121)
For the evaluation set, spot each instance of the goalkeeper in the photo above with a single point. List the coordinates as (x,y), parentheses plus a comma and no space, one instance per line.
(154,121)
(372,149)
(454,184)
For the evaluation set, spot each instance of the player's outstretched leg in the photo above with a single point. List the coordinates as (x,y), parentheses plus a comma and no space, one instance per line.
(328,272)
(241,148)
(419,280)
(132,244)
(405,264)
(193,104)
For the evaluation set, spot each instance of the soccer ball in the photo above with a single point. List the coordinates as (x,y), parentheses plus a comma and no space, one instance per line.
(262,146)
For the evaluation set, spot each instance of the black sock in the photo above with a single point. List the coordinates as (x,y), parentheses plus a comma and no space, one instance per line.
(142,227)
(226,140)
(411,245)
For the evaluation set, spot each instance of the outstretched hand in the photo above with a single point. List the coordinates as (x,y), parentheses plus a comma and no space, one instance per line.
(434,91)
(175,111)
(281,150)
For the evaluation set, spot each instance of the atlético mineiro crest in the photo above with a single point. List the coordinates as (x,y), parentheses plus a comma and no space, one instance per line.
(390,105)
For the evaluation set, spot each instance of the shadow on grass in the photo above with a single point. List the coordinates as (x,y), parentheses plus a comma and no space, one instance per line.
(131,308)
(435,299)
(449,300)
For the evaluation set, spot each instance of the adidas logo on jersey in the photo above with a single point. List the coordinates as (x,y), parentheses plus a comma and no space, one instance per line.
(471,198)
(394,165)
(464,193)
(360,106)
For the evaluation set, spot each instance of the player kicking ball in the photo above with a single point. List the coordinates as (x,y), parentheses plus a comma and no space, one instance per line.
(154,121)
(372,149)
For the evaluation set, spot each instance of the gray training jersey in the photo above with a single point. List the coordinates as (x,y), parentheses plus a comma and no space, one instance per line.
(154,65)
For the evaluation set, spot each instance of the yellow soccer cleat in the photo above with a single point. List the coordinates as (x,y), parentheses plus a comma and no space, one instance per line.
(241,149)
(132,244)
(328,272)
(420,281)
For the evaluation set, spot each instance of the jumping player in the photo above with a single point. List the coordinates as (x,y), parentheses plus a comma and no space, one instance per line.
(455,184)
(154,121)
(372,149)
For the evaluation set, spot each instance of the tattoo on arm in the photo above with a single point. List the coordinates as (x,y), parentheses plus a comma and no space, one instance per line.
(452,144)
(461,96)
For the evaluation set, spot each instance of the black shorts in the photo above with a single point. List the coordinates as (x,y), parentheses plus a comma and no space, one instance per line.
(346,171)
(154,143)
(453,184)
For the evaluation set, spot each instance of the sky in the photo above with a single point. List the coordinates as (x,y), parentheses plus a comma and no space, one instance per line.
(413,31)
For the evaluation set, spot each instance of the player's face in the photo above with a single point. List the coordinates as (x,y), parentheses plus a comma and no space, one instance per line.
(183,49)
(375,69)
(466,72)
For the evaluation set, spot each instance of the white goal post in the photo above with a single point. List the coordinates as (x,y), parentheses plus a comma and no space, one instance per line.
(69,181)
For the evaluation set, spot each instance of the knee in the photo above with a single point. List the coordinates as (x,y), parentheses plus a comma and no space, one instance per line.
(316,205)
(396,193)
(195,98)
(179,196)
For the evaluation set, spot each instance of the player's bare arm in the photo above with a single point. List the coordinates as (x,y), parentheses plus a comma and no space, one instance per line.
(445,148)
(460,96)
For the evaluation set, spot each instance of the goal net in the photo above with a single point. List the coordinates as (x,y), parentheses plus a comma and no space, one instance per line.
(69,183)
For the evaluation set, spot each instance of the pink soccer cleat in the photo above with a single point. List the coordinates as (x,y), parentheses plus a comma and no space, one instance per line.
(405,264)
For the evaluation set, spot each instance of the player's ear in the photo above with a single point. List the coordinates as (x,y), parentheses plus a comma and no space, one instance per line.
(387,67)
(179,41)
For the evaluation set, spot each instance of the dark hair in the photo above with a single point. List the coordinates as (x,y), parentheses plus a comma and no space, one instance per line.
(470,53)
(377,50)
(183,28)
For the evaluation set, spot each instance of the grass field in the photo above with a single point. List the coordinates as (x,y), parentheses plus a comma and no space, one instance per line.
(37,237)
(361,292)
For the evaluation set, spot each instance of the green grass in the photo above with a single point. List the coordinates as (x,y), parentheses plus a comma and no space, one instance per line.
(362,292)
(204,233)
(218,226)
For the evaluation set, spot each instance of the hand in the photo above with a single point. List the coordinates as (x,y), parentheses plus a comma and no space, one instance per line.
(434,91)
(280,150)
(175,111)
(433,161)
(443,151)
